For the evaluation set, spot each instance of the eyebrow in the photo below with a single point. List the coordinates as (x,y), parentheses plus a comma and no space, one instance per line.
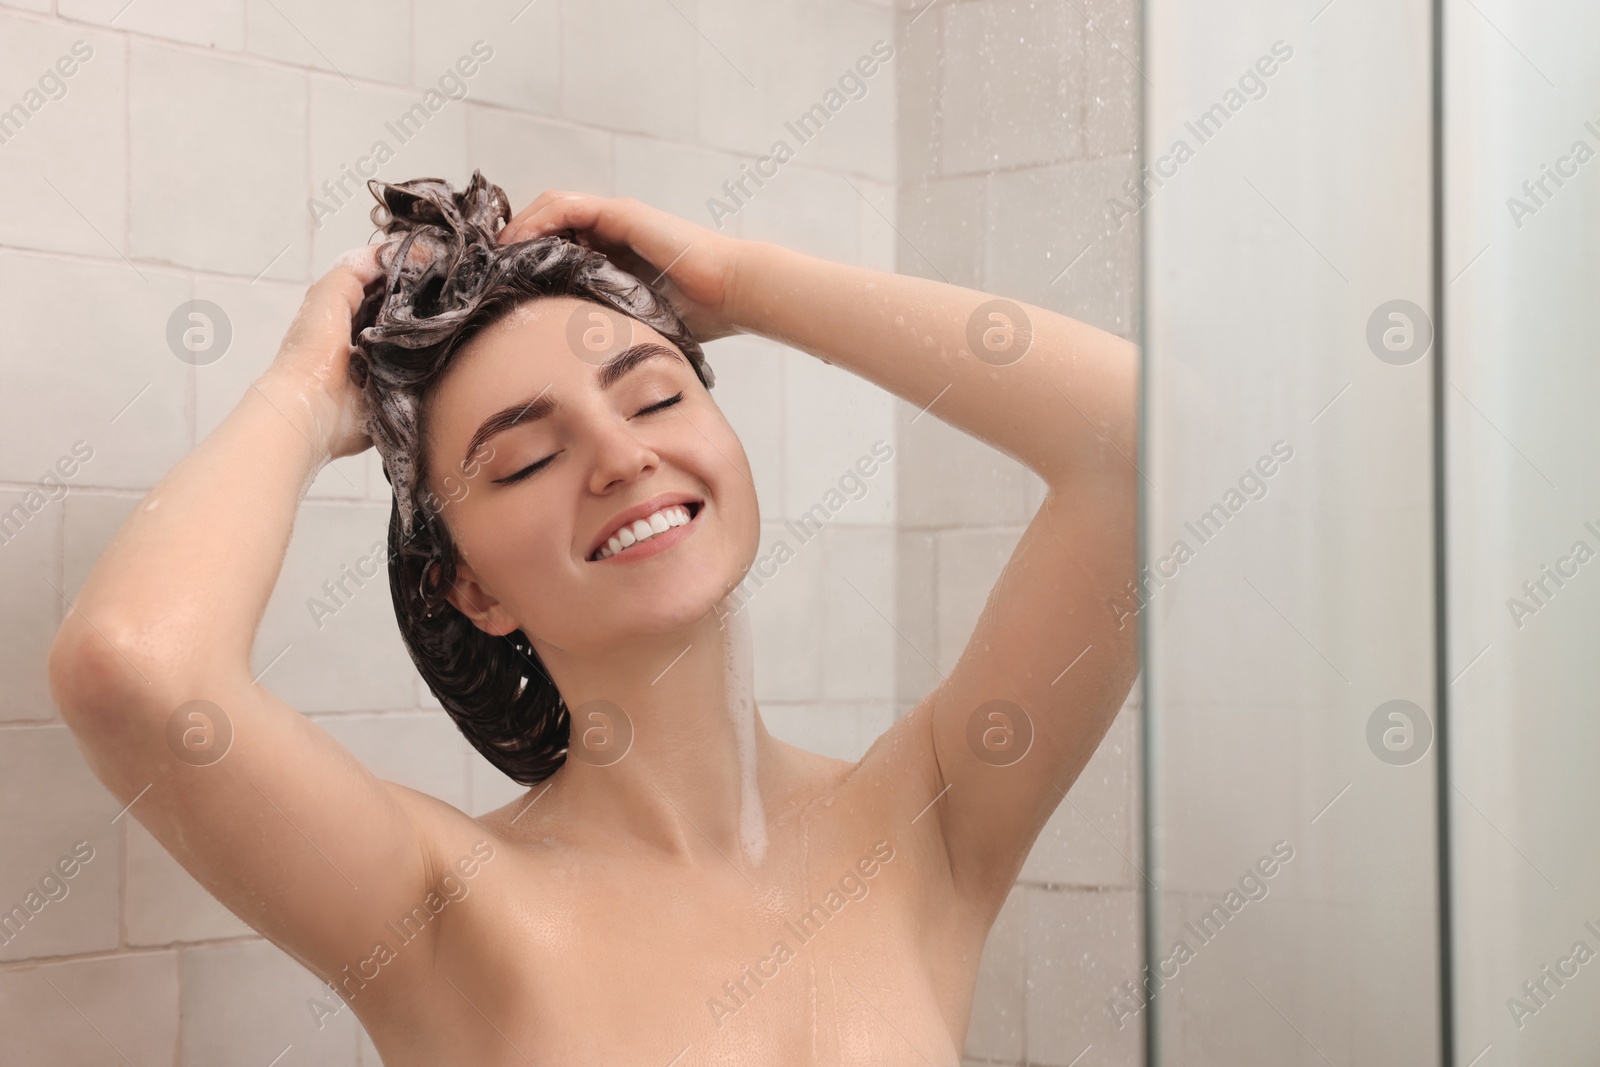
(540,406)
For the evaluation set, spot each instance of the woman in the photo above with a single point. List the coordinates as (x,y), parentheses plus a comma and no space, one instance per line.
(572,514)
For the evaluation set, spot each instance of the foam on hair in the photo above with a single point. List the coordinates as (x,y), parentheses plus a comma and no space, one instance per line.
(445,279)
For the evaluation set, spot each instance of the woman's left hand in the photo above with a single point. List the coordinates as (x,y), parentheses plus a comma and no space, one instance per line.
(696,267)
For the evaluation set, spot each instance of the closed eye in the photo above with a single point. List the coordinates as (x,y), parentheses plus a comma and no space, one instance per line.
(667,403)
(534,468)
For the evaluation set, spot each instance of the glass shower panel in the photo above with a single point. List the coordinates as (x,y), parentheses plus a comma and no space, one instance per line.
(1522,200)
(1288,595)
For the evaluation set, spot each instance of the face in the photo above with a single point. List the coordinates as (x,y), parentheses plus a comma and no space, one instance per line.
(533,492)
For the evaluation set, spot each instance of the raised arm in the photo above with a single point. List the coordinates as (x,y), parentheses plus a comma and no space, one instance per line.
(287,829)
(1055,394)
(1050,660)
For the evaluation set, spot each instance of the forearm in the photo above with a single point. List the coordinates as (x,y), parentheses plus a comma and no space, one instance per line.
(1056,409)
(182,587)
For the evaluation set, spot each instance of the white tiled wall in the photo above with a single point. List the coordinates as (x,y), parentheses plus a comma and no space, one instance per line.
(1017,122)
(180,164)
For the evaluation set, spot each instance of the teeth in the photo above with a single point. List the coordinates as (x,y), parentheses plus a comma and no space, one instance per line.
(642,530)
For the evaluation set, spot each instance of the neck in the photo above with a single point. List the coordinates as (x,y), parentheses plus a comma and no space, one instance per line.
(667,747)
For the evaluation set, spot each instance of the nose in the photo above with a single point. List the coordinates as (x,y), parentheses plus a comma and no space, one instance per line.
(619,455)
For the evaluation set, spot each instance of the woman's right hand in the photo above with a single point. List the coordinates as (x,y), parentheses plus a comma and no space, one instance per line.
(312,366)
(697,268)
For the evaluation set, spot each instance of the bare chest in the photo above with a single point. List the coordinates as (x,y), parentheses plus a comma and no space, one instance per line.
(822,953)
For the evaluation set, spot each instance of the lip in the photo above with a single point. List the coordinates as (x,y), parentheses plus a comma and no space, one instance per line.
(639,511)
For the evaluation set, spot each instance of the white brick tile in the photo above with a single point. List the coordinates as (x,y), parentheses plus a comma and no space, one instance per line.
(942,223)
(832,419)
(783,594)
(970,562)
(676,178)
(999,1008)
(418,750)
(525,155)
(859,138)
(919,68)
(1081,944)
(841,730)
(85,344)
(1089,839)
(871,721)
(749,90)
(522,40)
(258,315)
(1041,219)
(355,660)
(77,143)
(627,65)
(362,132)
(66,1014)
(50,802)
(219,24)
(858,611)
(875,224)
(1111,104)
(807,209)
(378,487)
(749,392)
(164,902)
(824,729)
(217,178)
(950,478)
(91,520)
(742,81)
(30,563)
(916,616)
(490,786)
(425,697)
(245,1003)
(368,1051)
(356,38)
(1013,85)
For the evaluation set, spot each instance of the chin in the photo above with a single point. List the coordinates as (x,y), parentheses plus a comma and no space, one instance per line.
(663,599)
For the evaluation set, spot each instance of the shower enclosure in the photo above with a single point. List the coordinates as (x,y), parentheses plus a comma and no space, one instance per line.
(1369,730)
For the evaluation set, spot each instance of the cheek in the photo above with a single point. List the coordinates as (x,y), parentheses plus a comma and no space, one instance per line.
(510,542)
(741,513)
(732,481)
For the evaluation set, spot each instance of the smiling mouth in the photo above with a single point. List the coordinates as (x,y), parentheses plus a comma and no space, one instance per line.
(659,526)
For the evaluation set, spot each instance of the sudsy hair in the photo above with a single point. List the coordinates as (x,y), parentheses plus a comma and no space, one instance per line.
(445,279)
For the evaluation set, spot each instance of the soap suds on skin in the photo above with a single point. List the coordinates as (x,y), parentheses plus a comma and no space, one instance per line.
(740,697)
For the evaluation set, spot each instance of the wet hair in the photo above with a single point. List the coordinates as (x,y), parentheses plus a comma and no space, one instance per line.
(445,279)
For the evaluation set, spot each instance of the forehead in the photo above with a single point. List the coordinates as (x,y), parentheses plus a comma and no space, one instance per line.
(558,333)
(538,344)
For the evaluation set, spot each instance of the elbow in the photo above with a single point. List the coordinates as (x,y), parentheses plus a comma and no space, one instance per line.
(95,668)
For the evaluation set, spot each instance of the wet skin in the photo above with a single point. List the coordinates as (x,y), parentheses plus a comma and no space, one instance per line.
(608,915)
(583,938)
(586,949)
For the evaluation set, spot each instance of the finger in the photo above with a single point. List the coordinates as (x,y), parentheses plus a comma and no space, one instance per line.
(552,212)
(345,282)
(538,202)
(361,262)
(518,221)
(657,237)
